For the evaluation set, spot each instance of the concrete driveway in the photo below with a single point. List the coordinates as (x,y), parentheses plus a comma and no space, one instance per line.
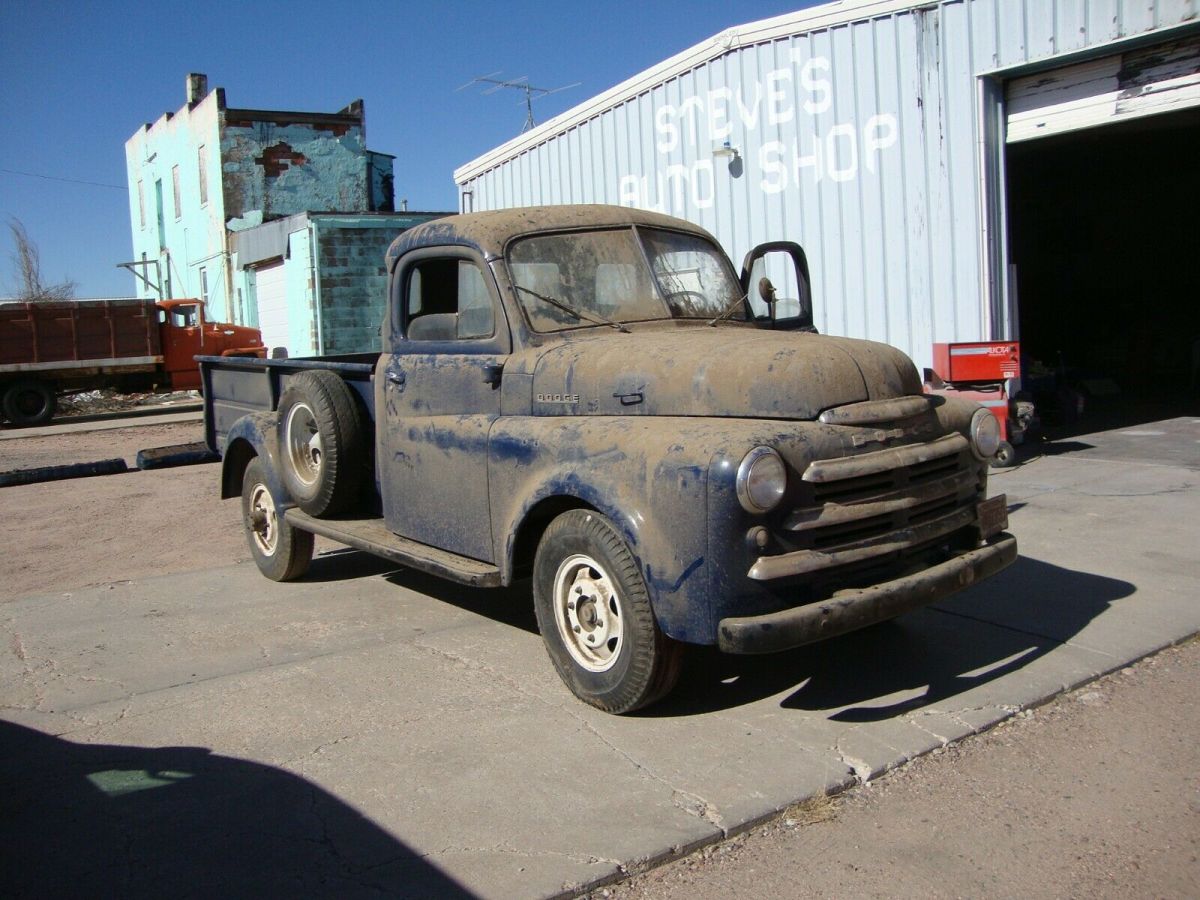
(373,731)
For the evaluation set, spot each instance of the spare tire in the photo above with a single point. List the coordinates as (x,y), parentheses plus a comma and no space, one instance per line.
(29,402)
(322,441)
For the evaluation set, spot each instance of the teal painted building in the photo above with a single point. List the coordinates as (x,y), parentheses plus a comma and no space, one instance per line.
(316,281)
(208,172)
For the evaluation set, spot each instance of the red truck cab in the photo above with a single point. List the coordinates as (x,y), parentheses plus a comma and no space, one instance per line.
(185,334)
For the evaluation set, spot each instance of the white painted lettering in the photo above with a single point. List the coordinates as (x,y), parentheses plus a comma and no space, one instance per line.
(693,108)
(774,177)
(630,190)
(847,155)
(779,106)
(749,114)
(719,126)
(668,133)
(677,181)
(878,134)
(812,160)
(816,86)
(704,184)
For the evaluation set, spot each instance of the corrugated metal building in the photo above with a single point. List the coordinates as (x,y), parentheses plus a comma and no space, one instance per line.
(931,157)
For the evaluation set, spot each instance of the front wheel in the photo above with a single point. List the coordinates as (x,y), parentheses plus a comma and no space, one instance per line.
(281,552)
(594,613)
(1006,455)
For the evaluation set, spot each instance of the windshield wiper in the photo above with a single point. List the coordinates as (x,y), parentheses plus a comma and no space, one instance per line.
(572,311)
(728,310)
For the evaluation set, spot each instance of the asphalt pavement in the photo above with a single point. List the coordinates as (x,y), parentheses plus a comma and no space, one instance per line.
(371,730)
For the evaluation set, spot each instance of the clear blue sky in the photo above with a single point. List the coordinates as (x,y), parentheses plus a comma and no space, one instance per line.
(78,78)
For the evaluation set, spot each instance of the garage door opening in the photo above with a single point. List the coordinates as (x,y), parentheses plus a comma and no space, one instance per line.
(1104,234)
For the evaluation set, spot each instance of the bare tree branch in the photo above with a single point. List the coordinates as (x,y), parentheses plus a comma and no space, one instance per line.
(28,264)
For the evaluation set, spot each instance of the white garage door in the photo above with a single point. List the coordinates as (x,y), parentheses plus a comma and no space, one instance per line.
(1143,82)
(269,288)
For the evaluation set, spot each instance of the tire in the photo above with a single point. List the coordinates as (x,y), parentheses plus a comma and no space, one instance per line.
(29,402)
(322,443)
(1005,456)
(610,654)
(281,552)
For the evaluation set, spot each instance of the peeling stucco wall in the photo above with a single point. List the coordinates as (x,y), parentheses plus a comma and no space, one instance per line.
(275,167)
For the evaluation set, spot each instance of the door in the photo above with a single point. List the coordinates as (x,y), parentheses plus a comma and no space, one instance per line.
(438,396)
(271,291)
(182,340)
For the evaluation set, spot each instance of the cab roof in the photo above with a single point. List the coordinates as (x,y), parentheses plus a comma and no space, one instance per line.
(489,232)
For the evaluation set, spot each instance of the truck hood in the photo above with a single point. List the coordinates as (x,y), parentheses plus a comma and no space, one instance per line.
(726,370)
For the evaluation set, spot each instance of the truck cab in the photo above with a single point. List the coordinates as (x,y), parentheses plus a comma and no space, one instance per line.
(592,396)
(185,334)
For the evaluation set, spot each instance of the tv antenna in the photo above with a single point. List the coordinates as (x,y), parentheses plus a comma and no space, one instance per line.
(521,84)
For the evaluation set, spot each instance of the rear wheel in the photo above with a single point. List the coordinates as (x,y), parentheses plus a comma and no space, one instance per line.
(324,448)
(29,402)
(594,613)
(281,552)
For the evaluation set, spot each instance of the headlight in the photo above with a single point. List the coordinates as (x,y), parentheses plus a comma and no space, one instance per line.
(761,480)
(985,434)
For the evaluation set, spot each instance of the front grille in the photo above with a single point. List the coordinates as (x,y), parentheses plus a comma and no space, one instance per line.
(901,498)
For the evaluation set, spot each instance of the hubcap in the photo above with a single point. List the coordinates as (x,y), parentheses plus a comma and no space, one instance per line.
(262,520)
(587,610)
(303,440)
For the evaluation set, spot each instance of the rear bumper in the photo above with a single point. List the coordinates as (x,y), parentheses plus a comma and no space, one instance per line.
(849,610)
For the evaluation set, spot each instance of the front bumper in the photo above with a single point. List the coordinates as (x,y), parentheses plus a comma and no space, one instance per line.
(852,609)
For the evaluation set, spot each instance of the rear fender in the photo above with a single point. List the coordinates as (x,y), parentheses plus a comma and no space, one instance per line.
(252,436)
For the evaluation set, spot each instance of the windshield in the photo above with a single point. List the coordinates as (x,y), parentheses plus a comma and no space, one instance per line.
(602,275)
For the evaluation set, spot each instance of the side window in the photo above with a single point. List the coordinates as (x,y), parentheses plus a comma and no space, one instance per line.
(448,300)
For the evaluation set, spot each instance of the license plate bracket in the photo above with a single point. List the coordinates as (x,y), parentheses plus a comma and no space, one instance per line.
(993,515)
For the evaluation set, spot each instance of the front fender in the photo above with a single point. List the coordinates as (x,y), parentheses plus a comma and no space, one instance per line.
(648,475)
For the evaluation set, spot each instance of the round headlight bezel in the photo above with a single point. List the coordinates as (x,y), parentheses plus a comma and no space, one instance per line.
(761,480)
(984,432)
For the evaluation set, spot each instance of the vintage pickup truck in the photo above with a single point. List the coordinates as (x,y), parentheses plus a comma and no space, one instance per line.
(589,395)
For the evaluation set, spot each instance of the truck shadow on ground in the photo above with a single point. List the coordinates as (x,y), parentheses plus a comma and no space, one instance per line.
(183,821)
(927,657)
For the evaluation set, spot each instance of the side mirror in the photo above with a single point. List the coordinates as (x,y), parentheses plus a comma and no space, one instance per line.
(786,260)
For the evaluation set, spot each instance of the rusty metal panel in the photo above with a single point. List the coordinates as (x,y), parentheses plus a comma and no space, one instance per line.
(34,334)
(853,128)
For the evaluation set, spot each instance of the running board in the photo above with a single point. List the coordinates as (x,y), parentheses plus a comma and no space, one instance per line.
(373,536)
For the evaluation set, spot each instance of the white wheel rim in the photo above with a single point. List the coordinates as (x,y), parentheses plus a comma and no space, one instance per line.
(263,520)
(587,610)
(303,440)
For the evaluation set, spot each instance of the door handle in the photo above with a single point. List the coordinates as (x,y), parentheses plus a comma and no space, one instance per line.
(395,377)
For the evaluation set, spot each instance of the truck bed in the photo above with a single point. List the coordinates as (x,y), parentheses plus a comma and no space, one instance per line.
(98,335)
(236,386)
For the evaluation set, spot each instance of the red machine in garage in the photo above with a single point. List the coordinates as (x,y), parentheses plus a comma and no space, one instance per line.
(983,371)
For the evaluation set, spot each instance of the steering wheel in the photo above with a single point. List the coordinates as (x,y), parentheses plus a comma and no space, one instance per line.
(694,296)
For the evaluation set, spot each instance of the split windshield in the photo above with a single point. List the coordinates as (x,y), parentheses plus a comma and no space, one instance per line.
(572,280)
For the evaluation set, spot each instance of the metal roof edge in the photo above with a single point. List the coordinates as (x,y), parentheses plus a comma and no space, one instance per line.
(827,15)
